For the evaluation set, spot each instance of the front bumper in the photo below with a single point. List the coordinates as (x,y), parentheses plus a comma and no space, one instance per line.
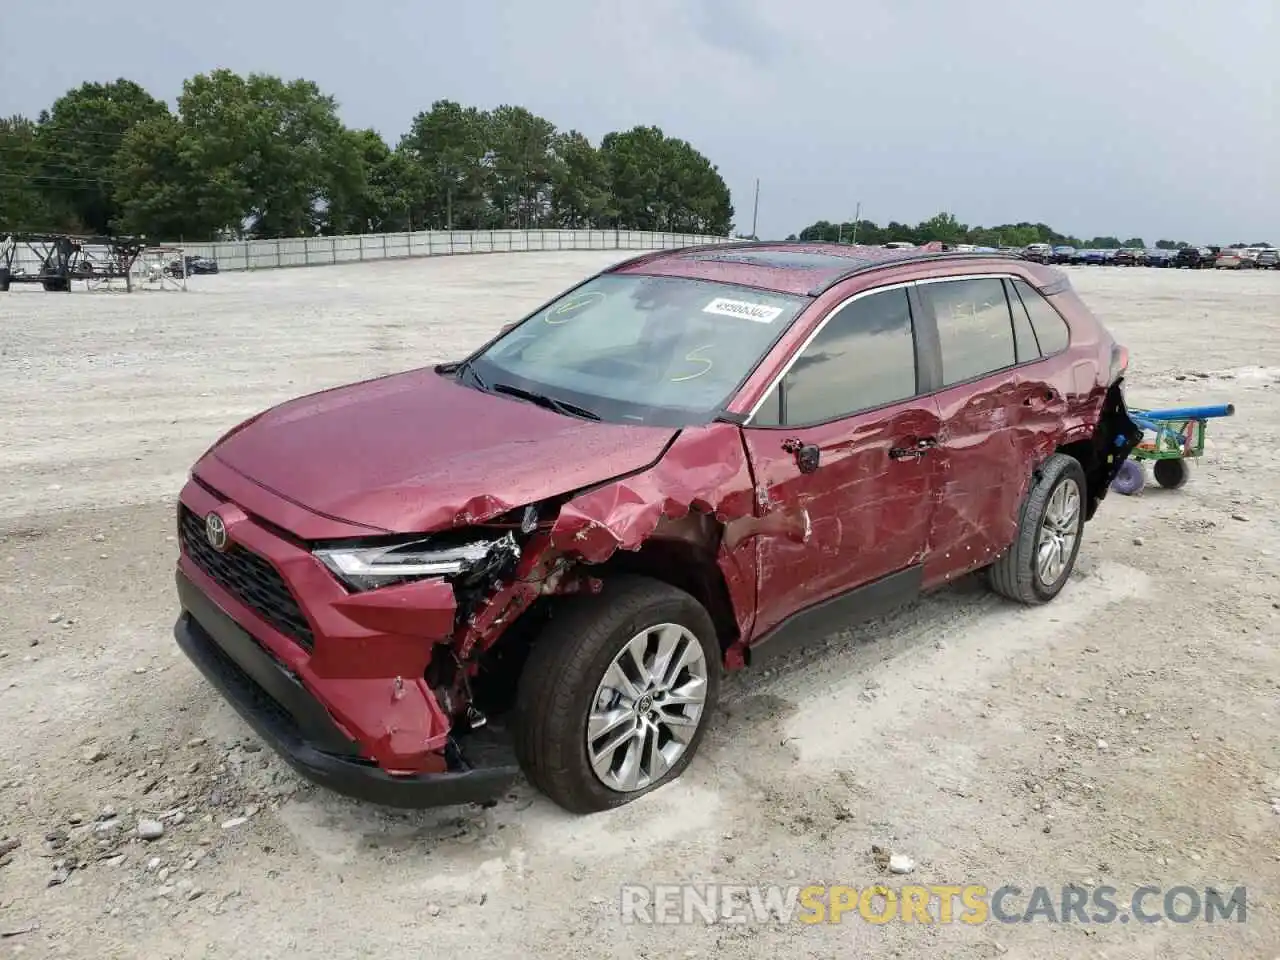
(336,682)
(273,701)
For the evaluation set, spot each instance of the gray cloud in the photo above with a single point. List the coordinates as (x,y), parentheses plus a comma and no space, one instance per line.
(1155,118)
(735,28)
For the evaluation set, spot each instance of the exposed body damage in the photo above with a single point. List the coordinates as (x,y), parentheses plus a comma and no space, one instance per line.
(700,495)
(973,523)
(704,470)
(370,612)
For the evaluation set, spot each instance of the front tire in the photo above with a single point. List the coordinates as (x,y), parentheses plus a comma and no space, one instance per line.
(616,694)
(1038,564)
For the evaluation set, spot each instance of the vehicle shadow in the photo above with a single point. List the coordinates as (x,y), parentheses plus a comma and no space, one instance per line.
(745,751)
(750,773)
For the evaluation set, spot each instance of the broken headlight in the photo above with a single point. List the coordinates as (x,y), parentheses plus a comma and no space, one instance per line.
(366,568)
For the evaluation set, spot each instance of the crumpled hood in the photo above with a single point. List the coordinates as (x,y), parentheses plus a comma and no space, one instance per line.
(417,452)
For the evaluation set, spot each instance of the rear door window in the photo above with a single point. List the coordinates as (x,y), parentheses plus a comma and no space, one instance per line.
(1051,330)
(1024,338)
(975,327)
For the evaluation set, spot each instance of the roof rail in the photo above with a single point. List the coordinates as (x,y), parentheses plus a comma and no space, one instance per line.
(856,267)
(870,266)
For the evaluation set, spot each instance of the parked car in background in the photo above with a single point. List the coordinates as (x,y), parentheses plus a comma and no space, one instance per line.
(1098,257)
(691,462)
(1038,252)
(1159,258)
(1130,257)
(194,265)
(1062,255)
(1233,260)
(1268,259)
(1194,258)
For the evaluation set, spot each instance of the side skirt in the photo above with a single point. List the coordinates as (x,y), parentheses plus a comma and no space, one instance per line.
(838,613)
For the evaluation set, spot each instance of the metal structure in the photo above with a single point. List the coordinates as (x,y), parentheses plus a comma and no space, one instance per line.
(162,268)
(60,258)
(1171,439)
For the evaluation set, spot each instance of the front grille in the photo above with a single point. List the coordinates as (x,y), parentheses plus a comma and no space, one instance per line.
(248,577)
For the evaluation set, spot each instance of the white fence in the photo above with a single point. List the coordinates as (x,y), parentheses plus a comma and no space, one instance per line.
(314,251)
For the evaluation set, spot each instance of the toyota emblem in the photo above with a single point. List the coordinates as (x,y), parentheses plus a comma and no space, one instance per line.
(216,531)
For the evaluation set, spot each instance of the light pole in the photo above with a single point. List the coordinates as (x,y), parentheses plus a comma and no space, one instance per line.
(755,210)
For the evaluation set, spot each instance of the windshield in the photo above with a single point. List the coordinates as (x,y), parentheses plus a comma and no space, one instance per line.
(663,351)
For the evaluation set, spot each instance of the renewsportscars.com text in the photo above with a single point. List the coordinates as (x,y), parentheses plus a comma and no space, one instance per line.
(936,903)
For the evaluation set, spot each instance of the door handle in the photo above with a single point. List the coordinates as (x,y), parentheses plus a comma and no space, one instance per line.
(807,455)
(915,451)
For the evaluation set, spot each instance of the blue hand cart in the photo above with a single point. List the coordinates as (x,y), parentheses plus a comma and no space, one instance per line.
(1171,438)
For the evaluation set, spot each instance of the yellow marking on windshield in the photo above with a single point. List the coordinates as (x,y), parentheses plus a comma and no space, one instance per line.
(575,305)
(692,357)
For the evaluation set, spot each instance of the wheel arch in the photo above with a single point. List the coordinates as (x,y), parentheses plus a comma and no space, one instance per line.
(1102,452)
(682,553)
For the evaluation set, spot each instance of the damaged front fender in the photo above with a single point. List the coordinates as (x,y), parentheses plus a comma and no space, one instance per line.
(704,470)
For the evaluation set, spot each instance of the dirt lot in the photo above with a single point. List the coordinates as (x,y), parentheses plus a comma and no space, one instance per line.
(1127,734)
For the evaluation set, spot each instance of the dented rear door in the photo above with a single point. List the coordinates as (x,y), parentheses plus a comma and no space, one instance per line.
(980,458)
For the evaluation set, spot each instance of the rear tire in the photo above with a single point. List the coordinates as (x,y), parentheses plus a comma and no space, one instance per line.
(563,686)
(1038,564)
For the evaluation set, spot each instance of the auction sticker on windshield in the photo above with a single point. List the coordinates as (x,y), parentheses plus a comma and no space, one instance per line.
(743,309)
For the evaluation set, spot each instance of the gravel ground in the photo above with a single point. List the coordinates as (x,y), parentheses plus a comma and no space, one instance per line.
(1125,734)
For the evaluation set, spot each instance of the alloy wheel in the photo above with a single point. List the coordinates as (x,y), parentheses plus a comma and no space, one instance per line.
(1059,531)
(647,707)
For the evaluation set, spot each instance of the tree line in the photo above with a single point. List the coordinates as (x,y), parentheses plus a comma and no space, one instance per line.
(945,228)
(257,156)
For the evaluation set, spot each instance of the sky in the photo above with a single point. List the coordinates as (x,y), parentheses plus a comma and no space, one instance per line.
(1098,117)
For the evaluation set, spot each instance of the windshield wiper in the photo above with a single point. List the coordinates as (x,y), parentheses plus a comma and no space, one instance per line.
(466,368)
(551,403)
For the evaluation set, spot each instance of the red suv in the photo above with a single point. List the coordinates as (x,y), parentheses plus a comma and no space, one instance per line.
(541,558)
